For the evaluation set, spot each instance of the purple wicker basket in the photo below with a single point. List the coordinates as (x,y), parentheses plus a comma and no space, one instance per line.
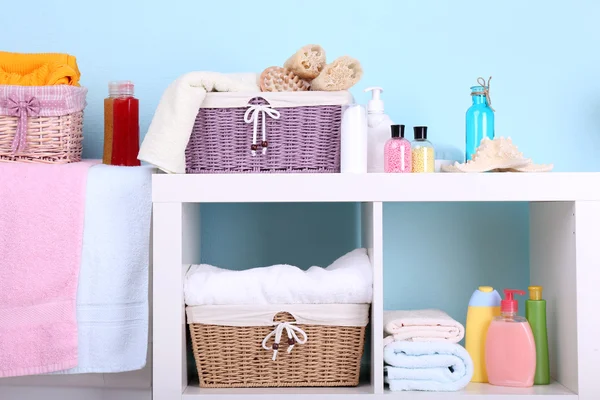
(296,139)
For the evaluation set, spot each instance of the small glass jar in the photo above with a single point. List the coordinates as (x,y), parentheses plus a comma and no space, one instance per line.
(121,125)
(397,154)
(423,153)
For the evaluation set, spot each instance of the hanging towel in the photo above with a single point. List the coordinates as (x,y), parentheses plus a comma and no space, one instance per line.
(433,366)
(171,127)
(41,230)
(43,69)
(421,326)
(112,299)
(349,280)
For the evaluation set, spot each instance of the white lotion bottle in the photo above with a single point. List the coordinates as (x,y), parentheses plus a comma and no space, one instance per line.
(378,131)
(353,146)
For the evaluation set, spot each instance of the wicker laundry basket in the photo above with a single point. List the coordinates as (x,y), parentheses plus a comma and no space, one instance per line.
(270,132)
(41,124)
(233,355)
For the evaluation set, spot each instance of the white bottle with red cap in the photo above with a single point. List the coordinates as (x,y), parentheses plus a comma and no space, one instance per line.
(510,346)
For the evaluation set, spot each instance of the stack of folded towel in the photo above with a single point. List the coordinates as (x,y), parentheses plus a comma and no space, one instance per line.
(421,351)
(45,69)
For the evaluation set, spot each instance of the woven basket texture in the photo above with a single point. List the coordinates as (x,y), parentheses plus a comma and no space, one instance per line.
(50,140)
(303,139)
(229,356)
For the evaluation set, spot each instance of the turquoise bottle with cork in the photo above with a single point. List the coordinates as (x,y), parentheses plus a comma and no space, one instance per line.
(479,117)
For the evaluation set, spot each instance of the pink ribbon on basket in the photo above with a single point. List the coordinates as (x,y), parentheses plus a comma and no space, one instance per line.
(22,110)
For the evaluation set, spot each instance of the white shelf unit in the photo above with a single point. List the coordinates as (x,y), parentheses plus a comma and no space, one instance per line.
(564,226)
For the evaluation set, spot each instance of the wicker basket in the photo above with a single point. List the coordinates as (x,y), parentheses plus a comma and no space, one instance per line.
(233,356)
(268,133)
(41,124)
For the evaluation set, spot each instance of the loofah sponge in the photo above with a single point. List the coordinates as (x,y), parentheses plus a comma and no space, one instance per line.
(308,62)
(277,79)
(341,74)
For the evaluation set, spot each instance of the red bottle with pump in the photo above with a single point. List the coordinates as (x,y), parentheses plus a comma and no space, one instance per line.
(510,346)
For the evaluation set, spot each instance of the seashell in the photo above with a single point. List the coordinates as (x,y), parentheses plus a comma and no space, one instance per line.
(278,79)
(531,168)
(498,155)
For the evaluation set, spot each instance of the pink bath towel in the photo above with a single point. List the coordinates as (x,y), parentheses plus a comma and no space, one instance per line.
(41,233)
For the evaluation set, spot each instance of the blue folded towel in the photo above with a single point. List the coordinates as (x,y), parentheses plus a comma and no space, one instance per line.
(429,366)
(112,297)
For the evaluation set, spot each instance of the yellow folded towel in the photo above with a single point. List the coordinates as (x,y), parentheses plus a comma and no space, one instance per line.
(43,69)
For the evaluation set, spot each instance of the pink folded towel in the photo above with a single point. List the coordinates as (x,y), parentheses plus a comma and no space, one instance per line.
(430,325)
(41,233)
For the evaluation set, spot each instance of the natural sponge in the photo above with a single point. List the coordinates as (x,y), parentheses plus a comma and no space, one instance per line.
(277,79)
(307,62)
(341,74)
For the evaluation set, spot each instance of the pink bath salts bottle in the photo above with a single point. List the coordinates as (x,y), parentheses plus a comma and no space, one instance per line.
(397,153)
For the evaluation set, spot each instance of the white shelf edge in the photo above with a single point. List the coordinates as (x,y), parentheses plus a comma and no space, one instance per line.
(332,393)
(436,187)
(474,391)
(485,391)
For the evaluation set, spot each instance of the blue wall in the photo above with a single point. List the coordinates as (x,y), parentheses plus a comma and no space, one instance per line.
(438,254)
(241,236)
(425,53)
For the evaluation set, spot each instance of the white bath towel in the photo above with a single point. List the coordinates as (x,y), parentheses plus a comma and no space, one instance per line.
(348,280)
(112,296)
(433,366)
(421,326)
(171,127)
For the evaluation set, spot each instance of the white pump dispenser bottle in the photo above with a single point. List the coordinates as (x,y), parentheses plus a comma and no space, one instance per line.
(378,131)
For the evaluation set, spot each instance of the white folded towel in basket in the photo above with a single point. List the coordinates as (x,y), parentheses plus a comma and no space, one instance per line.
(168,135)
(348,280)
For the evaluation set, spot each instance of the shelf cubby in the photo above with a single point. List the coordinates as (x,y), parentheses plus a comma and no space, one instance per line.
(436,254)
(253,234)
(240,236)
(505,230)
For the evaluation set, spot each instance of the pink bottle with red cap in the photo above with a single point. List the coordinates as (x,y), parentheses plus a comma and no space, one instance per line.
(510,346)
